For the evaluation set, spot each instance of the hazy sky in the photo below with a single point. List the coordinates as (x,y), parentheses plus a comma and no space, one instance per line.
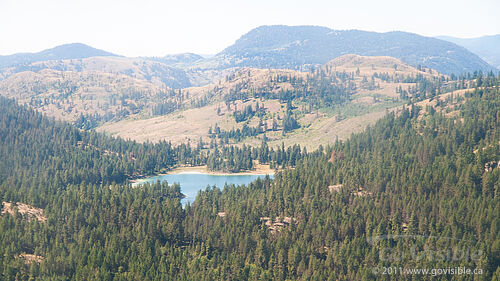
(156,28)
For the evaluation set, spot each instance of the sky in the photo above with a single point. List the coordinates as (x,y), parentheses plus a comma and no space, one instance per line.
(157,28)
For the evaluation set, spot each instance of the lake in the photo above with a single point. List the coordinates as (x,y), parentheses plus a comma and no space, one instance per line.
(192,182)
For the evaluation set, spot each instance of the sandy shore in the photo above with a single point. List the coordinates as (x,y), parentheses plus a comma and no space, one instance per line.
(259,170)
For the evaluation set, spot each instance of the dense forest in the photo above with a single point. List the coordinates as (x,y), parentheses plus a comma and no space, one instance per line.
(409,192)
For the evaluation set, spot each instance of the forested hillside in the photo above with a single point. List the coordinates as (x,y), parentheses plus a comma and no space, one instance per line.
(405,193)
(300,47)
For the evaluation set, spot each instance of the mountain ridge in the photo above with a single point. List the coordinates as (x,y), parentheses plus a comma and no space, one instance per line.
(297,47)
(275,47)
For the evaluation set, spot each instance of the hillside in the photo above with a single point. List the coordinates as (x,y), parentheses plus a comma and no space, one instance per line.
(301,47)
(85,97)
(337,99)
(62,52)
(486,47)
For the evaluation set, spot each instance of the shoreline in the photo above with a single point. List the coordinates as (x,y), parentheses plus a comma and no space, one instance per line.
(261,170)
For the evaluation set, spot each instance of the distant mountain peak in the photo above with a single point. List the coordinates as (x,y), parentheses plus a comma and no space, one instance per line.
(61,52)
(72,51)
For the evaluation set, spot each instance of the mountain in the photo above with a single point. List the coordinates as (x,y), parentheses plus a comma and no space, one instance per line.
(66,51)
(302,47)
(487,47)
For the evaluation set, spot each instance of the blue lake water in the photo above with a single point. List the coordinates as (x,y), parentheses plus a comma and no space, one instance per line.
(191,183)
